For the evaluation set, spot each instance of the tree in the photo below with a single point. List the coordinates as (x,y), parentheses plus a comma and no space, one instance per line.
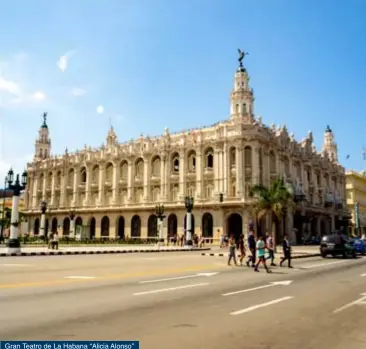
(272,200)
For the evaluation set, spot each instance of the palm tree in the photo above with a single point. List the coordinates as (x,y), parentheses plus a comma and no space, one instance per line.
(274,199)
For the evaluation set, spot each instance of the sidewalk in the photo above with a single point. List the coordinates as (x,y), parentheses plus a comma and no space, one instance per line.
(44,251)
(297,252)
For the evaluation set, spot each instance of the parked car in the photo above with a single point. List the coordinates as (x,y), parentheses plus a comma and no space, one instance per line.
(314,240)
(330,246)
(359,245)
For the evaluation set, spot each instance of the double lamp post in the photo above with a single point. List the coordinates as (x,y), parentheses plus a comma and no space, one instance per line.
(16,187)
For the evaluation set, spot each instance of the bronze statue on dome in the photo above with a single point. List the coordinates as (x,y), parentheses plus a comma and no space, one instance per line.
(242,55)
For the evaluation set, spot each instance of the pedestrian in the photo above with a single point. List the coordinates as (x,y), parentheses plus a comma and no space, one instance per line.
(270,249)
(286,251)
(55,241)
(261,249)
(252,247)
(232,250)
(241,248)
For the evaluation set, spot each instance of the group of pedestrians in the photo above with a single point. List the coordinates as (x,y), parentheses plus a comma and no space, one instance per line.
(258,248)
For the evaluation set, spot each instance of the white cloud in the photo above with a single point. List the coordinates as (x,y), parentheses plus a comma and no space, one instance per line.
(77,91)
(21,56)
(64,60)
(9,86)
(39,96)
(100,109)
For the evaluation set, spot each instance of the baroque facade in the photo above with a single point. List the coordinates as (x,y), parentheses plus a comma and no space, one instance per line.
(113,190)
(356,201)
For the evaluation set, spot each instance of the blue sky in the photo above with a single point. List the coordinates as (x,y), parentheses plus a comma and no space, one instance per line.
(153,64)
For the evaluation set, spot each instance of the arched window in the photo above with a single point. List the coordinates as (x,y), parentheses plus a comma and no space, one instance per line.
(83,175)
(192,161)
(104,227)
(156,166)
(175,163)
(139,168)
(232,157)
(209,158)
(123,171)
(109,173)
(248,157)
(135,226)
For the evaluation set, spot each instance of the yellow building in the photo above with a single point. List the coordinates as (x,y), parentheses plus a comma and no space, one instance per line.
(356,194)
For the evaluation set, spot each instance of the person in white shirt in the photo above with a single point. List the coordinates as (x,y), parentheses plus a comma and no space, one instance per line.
(270,248)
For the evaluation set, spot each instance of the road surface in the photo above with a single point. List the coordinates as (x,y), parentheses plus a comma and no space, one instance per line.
(184,300)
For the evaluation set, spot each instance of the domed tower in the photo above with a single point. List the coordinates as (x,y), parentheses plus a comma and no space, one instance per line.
(329,145)
(43,143)
(241,99)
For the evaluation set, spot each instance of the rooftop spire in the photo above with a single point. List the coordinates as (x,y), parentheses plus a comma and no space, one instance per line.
(44,125)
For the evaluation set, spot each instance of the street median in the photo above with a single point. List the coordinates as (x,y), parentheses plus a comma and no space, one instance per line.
(295,256)
(69,252)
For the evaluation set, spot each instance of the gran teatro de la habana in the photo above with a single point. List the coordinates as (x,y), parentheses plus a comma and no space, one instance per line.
(112,191)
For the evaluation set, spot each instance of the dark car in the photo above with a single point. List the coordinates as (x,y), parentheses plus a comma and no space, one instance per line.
(359,245)
(332,245)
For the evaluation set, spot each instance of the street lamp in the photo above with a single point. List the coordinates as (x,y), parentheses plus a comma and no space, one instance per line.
(189,203)
(159,211)
(3,210)
(43,219)
(17,187)
(72,223)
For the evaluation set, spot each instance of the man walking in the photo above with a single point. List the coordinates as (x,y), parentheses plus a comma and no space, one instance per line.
(270,248)
(252,248)
(286,251)
(232,249)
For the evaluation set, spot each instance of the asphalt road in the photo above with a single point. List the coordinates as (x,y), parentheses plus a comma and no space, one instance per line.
(181,300)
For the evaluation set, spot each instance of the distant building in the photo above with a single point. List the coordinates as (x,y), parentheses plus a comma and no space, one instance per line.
(356,200)
(113,190)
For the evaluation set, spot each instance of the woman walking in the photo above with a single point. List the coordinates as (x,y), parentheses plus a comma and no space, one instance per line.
(261,246)
(241,248)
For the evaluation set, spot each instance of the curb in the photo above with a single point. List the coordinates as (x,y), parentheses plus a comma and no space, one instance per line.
(293,257)
(63,253)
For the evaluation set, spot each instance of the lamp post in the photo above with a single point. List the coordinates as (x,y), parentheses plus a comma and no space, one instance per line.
(189,203)
(13,243)
(3,210)
(159,210)
(72,224)
(43,220)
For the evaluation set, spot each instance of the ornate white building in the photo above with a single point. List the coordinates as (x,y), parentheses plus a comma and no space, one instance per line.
(113,190)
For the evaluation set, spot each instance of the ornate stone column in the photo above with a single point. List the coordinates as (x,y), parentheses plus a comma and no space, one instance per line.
(115,184)
(53,189)
(146,180)
(63,189)
(129,181)
(75,189)
(199,173)
(225,170)
(182,178)
(239,169)
(163,177)
(88,185)
(255,165)
(44,185)
(101,184)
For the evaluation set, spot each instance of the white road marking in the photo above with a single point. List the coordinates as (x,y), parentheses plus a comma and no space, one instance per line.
(263,305)
(271,284)
(16,265)
(363,274)
(178,278)
(169,289)
(346,306)
(322,264)
(79,277)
